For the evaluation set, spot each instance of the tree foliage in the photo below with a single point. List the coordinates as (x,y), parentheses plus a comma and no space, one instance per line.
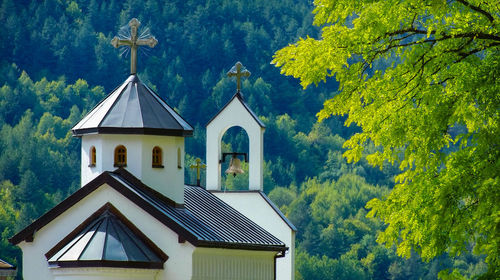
(337,241)
(39,159)
(421,80)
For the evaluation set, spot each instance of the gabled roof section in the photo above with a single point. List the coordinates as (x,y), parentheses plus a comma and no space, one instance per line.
(6,269)
(204,221)
(133,108)
(106,239)
(5,265)
(223,222)
(239,97)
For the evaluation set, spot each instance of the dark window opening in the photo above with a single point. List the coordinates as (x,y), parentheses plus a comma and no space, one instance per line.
(120,156)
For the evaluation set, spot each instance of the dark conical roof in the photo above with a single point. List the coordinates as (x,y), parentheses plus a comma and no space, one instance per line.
(133,108)
(107,240)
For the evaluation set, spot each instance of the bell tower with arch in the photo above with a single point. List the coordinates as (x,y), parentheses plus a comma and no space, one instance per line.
(253,202)
(235,113)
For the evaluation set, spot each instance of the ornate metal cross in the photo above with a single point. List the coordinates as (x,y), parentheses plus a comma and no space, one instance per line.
(133,42)
(236,72)
(198,167)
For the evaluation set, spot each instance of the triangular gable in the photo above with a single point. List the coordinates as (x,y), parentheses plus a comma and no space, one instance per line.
(239,98)
(106,239)
(235,113)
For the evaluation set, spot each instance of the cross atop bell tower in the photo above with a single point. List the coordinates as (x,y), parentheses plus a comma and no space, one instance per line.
(236,71)
(133,42)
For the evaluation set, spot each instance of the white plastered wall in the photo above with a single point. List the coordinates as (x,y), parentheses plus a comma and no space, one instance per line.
(217,264)
(35,265)
(168,180)
(234,114)
(256,208)
(104,273)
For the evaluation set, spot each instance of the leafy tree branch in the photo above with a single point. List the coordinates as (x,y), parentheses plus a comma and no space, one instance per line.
(421,80)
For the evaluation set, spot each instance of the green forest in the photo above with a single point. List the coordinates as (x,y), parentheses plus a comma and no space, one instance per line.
(57,62)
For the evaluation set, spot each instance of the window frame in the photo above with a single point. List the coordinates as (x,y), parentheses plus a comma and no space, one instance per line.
(92,156)
(179,161)
(159,156)
(117,162)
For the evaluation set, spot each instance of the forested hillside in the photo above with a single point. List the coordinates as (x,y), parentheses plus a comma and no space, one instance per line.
(57,63)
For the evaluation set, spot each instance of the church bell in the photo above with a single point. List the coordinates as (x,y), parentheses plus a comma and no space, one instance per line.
(234,166)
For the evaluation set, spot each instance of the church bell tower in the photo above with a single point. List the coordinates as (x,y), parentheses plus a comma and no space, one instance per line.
(253,202)
(133,128)
(235,113)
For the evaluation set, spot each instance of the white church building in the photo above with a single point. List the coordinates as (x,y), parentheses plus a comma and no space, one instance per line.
(135,218)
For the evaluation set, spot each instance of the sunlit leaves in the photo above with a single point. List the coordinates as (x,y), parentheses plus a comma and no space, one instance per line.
(421,80)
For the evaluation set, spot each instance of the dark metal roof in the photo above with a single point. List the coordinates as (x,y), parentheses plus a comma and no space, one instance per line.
(204,221)
(208,221)
(107,239)
(133,108)
(239,96)
(223,223)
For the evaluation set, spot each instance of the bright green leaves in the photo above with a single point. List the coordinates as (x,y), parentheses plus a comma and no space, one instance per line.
(421,80)
(299,66)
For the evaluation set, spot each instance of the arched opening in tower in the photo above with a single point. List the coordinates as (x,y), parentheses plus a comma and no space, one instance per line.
(235,140)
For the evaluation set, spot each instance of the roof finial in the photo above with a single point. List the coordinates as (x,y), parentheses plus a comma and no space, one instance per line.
(133,42)
(236,71)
